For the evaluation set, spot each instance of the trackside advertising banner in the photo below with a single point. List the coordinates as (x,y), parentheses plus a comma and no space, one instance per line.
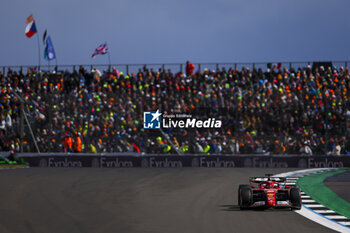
(175,161)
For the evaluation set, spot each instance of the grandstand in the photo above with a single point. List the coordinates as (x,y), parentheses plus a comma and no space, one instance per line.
(282,108)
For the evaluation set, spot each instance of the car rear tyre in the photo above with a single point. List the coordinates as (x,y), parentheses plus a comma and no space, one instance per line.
(295,198)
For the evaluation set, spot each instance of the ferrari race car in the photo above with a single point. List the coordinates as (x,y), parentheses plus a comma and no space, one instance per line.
(269,192)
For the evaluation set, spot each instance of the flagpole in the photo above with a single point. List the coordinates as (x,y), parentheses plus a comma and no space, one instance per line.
(109,59)
(55,56)
(38,48)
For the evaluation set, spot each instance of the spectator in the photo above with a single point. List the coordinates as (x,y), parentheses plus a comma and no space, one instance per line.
(92,149)
(189,68)
(199,148)
(306,149)
(77,143)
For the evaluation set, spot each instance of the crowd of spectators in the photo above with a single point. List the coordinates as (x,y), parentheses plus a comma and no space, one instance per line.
(272,111)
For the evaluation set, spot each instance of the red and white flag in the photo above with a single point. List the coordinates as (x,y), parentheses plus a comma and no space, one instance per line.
(30,28)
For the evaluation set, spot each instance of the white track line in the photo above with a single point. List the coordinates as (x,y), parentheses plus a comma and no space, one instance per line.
(336,217)
(324,211)
(308,201)
(320,219)
(313,206)
(341,226)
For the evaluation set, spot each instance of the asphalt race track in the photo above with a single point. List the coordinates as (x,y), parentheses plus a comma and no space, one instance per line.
(136,200)
(340,184)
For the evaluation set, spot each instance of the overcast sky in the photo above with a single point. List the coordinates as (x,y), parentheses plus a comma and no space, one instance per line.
(162,31)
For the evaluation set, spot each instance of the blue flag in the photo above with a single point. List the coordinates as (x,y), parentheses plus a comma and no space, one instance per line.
(49,52)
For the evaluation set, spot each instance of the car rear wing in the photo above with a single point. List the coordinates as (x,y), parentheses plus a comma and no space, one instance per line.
(262,179)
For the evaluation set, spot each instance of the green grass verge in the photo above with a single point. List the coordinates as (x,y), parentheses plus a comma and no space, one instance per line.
(313,186)
(12,166)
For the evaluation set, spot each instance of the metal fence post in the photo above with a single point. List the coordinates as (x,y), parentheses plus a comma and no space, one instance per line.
(290,65)
(181,66)
(235,66)
(346,64)
(199,67)
(217,66)
(127,69)
(3,70)
(163,66)
(21,125)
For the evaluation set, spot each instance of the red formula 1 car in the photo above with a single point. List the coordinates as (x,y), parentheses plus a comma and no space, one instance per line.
(269,192)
